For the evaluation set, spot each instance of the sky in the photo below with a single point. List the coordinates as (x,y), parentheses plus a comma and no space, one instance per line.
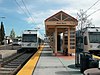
(23,15)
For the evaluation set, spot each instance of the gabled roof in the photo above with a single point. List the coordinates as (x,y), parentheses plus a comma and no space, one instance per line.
(61,16)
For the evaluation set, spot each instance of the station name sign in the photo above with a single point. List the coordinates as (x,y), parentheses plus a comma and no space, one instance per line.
(61,23)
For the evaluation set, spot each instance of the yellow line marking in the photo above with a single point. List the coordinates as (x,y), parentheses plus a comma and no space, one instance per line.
(96,57)
(29,67)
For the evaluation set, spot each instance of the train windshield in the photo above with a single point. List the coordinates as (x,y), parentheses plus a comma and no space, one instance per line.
(29,38)
(15,40)
(94,37)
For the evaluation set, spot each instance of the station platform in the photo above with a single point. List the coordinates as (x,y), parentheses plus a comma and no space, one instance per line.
(49,64)
(44,62)
(7,53)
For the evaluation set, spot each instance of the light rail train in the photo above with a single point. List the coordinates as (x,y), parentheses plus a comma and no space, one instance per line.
(88,39)
(31,39)
(16,41)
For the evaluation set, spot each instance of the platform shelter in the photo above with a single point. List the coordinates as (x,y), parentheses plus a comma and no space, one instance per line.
(61,23)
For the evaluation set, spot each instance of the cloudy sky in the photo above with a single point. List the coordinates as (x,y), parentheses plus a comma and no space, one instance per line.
(29,14)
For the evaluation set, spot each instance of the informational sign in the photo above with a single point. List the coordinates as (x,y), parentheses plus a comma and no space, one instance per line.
(60,23)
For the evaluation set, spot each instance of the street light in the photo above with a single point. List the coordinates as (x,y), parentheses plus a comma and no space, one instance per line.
(2,17)
(37,28)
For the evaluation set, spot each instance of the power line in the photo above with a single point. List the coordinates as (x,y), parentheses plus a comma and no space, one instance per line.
(92,6)
(84,13)
(93,12)
(27,9)
(21,8)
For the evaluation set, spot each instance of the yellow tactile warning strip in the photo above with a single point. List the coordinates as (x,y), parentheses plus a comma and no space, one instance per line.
(96,57)
(29,67)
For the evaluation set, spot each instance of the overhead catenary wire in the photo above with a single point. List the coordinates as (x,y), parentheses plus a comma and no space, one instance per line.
(92,6)
(21,8)
(93,12)
(27,10)
(84,13)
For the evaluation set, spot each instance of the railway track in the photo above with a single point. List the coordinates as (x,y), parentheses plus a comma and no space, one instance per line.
(12,66)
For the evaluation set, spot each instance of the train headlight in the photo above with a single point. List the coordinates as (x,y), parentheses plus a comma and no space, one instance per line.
(29,44)
(98,46)
(22,44)
(35,44)
(90,46)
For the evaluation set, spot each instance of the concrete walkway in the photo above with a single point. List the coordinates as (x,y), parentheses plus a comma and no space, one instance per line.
(49,64)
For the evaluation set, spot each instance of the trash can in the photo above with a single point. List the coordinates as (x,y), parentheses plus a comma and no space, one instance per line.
(93,63)
(85,58)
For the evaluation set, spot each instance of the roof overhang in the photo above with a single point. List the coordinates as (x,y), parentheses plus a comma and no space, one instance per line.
(60,20)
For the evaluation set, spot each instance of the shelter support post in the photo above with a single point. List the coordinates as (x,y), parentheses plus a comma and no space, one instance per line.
(69,40)
(55,41)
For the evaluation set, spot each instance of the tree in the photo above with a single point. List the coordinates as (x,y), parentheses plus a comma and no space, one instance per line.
(83,20)
(12,34)
(2,33)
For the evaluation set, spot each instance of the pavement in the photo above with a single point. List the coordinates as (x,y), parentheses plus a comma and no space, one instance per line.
(49,64)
